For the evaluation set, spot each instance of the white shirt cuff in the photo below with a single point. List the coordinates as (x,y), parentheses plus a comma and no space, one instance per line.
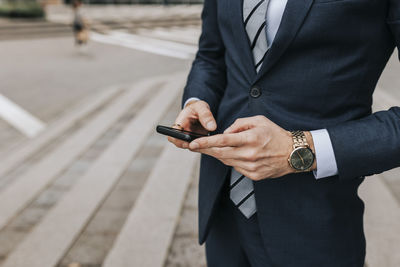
(326,161)
(190,99)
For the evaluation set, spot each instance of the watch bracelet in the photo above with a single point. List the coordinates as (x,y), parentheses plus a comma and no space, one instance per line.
(299,139)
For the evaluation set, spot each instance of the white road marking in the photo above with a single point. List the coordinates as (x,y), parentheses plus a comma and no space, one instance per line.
(146,44)
(20,118)
(188,35)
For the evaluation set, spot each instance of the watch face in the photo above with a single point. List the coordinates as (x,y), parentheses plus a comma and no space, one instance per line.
(302,158)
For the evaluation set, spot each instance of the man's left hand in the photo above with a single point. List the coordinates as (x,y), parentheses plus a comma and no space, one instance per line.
(255,146)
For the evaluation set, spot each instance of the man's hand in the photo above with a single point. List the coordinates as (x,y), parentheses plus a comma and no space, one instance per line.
(195,117)
(256,147)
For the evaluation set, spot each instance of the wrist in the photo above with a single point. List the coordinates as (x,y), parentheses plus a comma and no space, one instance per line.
(289,151)
(190,102)
(310,142)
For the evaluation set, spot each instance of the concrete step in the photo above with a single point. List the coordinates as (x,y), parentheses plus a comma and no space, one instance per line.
(19,155)
(184,249)
(51,238)
(30,216)
(99,235)
(160,201)
(21,192)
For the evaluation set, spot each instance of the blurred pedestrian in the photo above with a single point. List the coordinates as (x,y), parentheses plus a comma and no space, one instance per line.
(80,24)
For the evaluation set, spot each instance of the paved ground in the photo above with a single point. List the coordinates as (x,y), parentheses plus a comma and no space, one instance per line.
(57,76)
(50,78)
(60,78)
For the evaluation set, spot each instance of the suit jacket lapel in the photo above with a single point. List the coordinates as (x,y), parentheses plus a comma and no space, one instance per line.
(293,17)
(241,40)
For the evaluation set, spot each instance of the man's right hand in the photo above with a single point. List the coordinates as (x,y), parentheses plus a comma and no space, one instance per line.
(195,117)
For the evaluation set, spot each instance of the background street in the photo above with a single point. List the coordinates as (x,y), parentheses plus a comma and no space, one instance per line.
(94,185)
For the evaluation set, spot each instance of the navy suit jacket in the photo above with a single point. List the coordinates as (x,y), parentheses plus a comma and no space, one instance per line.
(320,72)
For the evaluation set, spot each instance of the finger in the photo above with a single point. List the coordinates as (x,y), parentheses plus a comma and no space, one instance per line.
(239,156)
(219,140)
(244,124)
(205,116)
(177,126)
(240,125)
(183,119)
(218,152)
(178,143)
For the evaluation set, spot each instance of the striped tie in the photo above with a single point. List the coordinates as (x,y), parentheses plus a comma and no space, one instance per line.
(254,13)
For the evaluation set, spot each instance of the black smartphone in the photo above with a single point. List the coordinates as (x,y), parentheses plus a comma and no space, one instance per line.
(179,134)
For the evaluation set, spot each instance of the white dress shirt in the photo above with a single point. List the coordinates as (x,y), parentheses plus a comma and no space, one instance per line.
(325,157)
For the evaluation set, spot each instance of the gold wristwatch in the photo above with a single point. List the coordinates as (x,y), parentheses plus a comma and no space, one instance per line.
(302,158)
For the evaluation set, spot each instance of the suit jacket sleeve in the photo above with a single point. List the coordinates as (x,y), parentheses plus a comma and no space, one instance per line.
(207,78)
(370,145)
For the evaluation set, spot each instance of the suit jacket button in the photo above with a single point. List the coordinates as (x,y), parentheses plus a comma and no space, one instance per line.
(255,92)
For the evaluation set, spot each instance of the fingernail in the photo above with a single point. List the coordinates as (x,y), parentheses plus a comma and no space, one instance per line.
(194,145)
(211,125)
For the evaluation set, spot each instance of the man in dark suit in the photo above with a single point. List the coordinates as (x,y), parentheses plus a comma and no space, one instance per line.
(286,87)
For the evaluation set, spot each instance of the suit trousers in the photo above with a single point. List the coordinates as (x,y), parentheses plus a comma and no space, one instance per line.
(234,240)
